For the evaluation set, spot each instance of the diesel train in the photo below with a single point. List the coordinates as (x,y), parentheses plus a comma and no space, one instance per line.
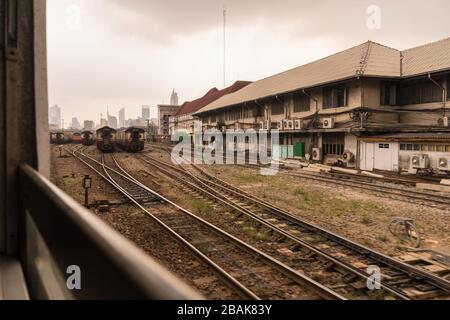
(60,137)
(87,138)
(106,139)
(131,139)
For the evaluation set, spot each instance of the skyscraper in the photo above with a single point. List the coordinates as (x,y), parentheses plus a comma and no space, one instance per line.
(76,124)
(54,116)
(112,122)
(89,125)
(145,113)
(174,98)
(122,118)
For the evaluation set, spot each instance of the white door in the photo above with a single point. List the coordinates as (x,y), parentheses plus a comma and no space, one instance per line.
(386,156)
(366,156)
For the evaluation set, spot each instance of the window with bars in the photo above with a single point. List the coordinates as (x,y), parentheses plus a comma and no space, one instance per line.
(302,102)
(448,87)
(388,94)
(278,106)
(425,147)
(420,93)
(335,97)
(333,144)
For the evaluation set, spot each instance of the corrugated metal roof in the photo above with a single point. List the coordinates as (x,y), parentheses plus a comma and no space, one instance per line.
(427,58)
(212,95)
(368,59)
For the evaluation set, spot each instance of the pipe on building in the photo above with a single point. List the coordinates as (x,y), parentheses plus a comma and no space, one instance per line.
(444,95)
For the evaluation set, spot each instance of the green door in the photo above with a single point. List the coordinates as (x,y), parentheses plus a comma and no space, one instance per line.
(299,149)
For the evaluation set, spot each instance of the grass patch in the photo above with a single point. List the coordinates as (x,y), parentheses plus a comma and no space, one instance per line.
(382,238)
(201,206)
(250,178)
(365,219)
(318,202)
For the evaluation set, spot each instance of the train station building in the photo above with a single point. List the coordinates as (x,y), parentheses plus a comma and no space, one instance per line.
(341,109)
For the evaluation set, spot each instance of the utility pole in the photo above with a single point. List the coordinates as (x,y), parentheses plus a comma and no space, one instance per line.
(224,45)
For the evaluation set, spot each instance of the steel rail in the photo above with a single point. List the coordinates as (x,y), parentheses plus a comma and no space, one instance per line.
(439,282)
(229,280)
(294,275)
(413,194)
(298,241)
(409,270)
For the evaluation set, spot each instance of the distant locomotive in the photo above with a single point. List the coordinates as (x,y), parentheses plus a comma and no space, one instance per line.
(106,139)
(76,137)
(59,137)
(87,138)
(131,139)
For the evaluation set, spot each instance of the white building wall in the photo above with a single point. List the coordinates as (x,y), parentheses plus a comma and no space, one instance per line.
(434,158)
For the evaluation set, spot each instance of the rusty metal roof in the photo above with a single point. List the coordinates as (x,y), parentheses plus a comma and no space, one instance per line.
(367,59)
(212,95)
(430,57)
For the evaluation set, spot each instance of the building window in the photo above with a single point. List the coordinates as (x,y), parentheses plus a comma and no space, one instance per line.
(388,94)
(424,147)
(247,113)
(333,144)
(448,87)
(278,107)
(420,93)
(302,103)
(335,97)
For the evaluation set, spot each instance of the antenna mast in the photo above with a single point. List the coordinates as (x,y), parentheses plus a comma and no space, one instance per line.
(224,45)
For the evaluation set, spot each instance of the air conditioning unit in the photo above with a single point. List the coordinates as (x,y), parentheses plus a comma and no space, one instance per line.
(288,124)
(280,125)
(444,164)
(317,154)
(328,123)
(444,121)
(419,161)
(298,124)
(348,157)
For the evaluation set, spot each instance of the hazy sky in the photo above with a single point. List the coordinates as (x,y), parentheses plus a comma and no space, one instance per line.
(129,53)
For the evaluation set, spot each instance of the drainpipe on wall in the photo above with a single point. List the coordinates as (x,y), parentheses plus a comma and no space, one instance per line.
(444,96)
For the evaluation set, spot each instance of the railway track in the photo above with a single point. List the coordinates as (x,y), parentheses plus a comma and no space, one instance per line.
(350,259)
(388,188)
(247,270)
